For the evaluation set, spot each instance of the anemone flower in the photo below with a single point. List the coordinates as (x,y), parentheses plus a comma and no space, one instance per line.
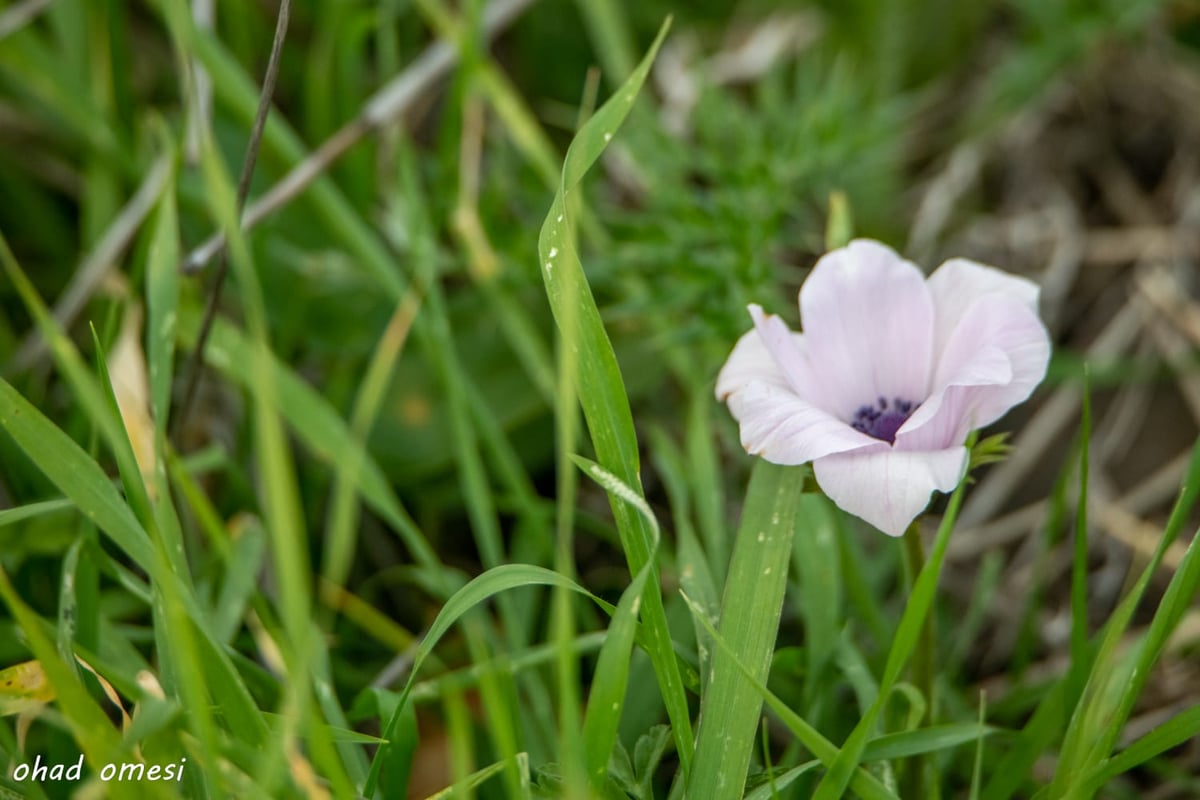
(890,375)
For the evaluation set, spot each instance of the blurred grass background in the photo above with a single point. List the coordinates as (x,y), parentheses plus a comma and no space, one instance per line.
(1056,139)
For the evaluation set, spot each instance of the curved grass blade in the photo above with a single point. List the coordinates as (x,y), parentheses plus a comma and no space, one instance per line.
(601,388)
(603,715)
(479,589)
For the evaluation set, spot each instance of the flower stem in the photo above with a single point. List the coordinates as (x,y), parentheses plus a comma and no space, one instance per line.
(923,655)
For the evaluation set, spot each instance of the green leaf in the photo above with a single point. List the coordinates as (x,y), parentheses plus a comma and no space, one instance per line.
(768,791)
(924,740)
(75,474)
(162,302)
(750,611)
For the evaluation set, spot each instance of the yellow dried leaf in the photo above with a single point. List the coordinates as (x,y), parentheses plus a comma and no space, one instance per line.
(24,687)
(131,386)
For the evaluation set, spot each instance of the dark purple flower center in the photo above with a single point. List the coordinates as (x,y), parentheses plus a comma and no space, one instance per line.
(882,419)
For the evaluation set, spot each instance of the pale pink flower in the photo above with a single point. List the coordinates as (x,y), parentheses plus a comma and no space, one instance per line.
(890,375)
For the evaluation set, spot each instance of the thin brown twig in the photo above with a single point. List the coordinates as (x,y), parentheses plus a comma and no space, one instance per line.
(18,16)
(195,363)
(396,98)
(99,262)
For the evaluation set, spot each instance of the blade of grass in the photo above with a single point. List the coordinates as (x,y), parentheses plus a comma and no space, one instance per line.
(479,589)
(88,722)
(77,476)
(437,339)
(162,300)
(600,386)
(815,560)
(1172,733)
(315,423)
(1079,562)
(862,782)
(1116,679)
(1046,722)
(750,611)
(603,716)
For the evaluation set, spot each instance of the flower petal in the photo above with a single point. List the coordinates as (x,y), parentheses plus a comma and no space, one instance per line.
(889,488)
(947,416)
(868,321)
(972,389)
(959,282)
(784,429)
(749,361)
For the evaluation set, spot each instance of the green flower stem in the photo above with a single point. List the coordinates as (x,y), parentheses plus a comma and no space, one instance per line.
(923,656)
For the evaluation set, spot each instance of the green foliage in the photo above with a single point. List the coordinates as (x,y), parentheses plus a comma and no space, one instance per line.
(292,589)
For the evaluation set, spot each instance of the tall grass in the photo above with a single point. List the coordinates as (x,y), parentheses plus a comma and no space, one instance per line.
(391,553)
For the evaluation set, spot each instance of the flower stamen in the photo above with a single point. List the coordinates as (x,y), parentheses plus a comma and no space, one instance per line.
(882,419)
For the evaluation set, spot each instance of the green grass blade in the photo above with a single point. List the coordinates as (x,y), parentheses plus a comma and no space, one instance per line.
(925,740)
(866,785)
(816,561)
(1116,679)
(769,791)
(479,589)
(162,301)
(1079,562)
(11,516)
(750,611)
(601,388)
(87,721)
(1046,723)
(611,677)
(1172,733)
(315,423)
(76,475)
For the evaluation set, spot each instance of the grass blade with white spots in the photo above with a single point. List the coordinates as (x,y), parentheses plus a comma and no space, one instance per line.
(864,784)
(601,387)
(750,610)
